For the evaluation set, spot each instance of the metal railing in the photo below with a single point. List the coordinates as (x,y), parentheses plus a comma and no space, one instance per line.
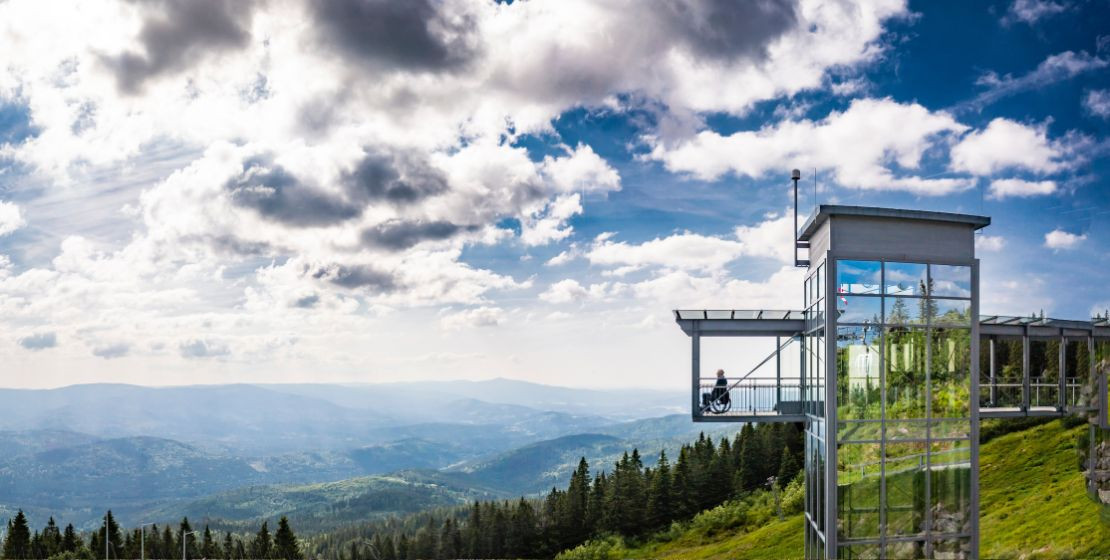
(1043,392)
(750,396)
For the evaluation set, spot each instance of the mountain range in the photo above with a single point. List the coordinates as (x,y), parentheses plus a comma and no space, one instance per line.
(322,454)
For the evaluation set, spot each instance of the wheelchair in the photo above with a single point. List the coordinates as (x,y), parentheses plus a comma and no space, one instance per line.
(716,401)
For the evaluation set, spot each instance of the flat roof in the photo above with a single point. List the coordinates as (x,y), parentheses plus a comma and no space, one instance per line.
(825,211)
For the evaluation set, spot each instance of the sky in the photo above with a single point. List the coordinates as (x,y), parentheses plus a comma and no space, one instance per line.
(271,191)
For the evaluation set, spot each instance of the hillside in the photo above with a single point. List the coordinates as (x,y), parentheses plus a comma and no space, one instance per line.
(1033,506)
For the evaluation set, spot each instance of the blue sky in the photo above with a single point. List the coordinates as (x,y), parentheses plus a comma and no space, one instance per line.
(216,191)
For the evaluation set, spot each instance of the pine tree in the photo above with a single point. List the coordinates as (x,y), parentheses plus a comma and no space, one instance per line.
(168,547)
(388,551)
(229,546)
(190,541)
(51,539)
(262,546)
(285,542)
(70,541)
(209,548)
(788,467)
(659,506)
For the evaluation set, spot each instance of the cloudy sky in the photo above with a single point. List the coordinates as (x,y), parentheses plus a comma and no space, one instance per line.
(207,191)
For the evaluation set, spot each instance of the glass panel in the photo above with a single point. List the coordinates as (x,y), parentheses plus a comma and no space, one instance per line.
(1044,370)
(859,551)
(857,371)
(950,428)
(808,292)
(905,550)
(1005,387)
(905,372)
(904,311)
(905,488)
(906,429)
(821,281)
(858,475)
(950,487)
(858,309)
(905,279)
(857,277)
(950,379)
(952,549)
(951,312)
(952,281)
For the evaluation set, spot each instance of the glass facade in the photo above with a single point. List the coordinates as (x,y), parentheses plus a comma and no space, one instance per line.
(903,409)
(813,350)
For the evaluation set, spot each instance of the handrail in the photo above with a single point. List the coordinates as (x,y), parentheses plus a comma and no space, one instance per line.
(778,350)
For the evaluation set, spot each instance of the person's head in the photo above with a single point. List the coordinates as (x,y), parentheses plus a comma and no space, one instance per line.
(720,373)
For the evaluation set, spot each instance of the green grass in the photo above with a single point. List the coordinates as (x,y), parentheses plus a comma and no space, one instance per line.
(1033,505)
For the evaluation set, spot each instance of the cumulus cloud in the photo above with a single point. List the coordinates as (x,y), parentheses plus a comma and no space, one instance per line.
(1060,239)
(1029,11)
(176,33)
(865,125)
(39,341)
(990,243)
(198,348)
(1007,144)
(564,291)
(11,218)
(484,316)
(111,351)
(1097,102)
(1004,188)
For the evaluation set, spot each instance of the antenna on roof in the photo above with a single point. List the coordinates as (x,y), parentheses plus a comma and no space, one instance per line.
(795,176)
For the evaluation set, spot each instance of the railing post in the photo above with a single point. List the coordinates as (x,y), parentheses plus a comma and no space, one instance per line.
(994,378)
(1062,398)
(695,374)
(1025,370)
(778,371)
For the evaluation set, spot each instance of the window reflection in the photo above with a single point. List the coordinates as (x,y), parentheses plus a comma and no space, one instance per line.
(905,279)
(858,277)
(951,281)
(858,309)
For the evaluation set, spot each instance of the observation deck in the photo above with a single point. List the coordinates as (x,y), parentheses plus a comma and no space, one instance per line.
(1040,348)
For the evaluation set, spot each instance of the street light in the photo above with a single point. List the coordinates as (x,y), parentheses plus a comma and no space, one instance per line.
(184,541)
(142,541)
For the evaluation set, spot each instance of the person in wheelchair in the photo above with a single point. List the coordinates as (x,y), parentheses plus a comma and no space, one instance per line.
(717,400)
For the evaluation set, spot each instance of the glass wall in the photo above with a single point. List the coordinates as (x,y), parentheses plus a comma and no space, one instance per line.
(903,387)
(813,349)
(1001,387)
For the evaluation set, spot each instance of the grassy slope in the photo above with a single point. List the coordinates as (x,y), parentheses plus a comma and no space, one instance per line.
(1033,506)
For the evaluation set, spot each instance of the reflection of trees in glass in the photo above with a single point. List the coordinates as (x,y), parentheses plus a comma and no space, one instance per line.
(950,376)
(927,308)
(897,314)
(857,370)
(905,372)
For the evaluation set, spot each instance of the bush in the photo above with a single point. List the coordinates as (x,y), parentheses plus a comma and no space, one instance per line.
(610,547)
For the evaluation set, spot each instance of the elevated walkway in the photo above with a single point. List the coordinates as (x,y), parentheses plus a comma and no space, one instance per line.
(763,394)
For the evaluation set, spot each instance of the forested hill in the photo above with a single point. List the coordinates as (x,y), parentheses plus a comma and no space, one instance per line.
(629,499)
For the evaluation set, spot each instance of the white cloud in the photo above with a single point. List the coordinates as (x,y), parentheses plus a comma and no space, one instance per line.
(581,171)
(1006,144)
(990,243)
(1060,239)
(685,250)
(867,125)
(1003,188)
(1029,11)
(564,291)
(11,218)
(1098,102)
(472,318)
(1054,68)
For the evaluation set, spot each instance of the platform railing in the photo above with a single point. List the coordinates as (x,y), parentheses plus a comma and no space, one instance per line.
(752,396)
(1043,393)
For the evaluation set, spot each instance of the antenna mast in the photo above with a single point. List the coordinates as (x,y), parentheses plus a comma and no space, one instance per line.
(796,175)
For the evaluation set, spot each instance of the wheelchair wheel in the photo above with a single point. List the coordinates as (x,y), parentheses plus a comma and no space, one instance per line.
(721,405)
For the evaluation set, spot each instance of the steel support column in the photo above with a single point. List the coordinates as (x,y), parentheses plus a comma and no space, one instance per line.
(1062,397)
(1025,370)
(994,372)
(695,373)
(778,371)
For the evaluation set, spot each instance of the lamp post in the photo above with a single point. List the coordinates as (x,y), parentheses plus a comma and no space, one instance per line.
(185,541)
(142,541)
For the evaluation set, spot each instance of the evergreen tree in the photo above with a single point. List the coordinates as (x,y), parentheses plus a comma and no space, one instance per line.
(450,540)
(387,550)
(262,546)
(209,548)
(659,506)
(403,547)
(168,547)
(788,467)
(240,549)
(285,542)
(51,539)
(190,541)
(229,546)
(70,541)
